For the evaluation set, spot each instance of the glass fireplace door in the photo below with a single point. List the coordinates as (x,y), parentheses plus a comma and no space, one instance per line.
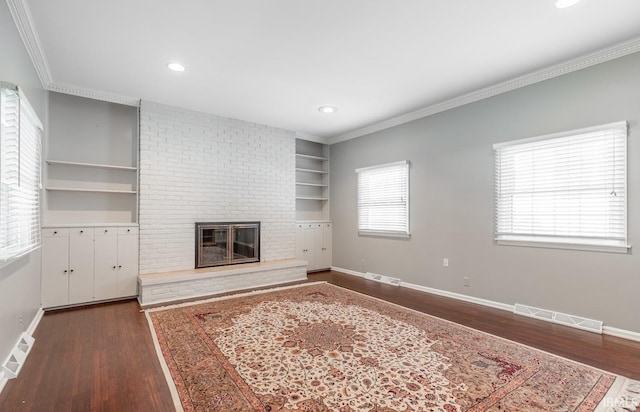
(220,243)
(214,246)
(245,243)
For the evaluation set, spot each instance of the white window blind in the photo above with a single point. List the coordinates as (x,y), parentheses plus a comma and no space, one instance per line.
(383,199)
(564,189)
(20,151)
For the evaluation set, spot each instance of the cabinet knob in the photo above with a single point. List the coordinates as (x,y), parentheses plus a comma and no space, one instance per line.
(105,231)
(82,231)
(119,266)
(65,271)
(71,271)
(128,230)
(114,266)
(55,232)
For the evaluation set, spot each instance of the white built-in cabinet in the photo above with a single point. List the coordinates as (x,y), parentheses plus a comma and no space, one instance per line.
(90,202)
(88,264)
(313,244)
(116,267)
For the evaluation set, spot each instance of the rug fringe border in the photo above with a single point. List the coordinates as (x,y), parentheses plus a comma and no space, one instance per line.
(177,403)
(623,396)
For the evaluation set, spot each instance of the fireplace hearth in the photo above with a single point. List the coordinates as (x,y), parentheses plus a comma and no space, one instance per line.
(227,243)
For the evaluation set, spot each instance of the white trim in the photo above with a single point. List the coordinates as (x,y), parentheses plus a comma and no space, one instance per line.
(606,330)
(377,233)
(35,321)
(605,55)
(399,162)
(25,101)
(621,333)
(24,23)
(93,94)
(614,125)
(623,249)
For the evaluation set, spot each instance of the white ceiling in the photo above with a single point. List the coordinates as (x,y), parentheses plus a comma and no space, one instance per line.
(276,61)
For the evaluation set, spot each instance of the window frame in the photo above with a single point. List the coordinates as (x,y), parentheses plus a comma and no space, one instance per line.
(380,232)
(569,242)
(24,201)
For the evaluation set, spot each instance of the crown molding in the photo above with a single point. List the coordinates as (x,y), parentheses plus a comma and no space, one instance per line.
(24,23)
(93,94)
(605,55)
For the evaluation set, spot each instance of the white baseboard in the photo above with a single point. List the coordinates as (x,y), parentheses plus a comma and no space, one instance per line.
(606,330)
(621,333)
(35,321)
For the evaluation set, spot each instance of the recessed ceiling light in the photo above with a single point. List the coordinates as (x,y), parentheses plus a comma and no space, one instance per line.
(176,67)
(327,109)
(563,4)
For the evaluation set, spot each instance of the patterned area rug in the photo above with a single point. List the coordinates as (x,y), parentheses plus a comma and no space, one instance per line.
(318,347)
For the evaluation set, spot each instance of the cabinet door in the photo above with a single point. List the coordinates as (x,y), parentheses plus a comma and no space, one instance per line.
(324,261)
(127,265)
(81,265)
(312,240)
(106,263)
(301,246)
(55,268)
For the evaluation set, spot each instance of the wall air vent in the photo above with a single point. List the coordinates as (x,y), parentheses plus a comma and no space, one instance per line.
(578,322)
(382,279)
(17,357)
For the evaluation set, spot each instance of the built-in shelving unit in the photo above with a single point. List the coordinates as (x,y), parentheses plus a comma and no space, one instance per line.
(60,162)
(312,181)
(91,173)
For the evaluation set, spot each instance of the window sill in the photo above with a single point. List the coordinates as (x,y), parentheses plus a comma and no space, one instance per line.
(10,260)
(622,249)
(393,235)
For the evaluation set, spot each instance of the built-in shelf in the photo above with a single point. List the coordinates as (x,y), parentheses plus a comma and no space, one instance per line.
(66,163)
(312,180)
(70,189)
(305,156)
(311,171)
(311,198)
(311,184)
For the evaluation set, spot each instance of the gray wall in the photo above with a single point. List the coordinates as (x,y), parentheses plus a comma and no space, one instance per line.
(19,281)
(452,199)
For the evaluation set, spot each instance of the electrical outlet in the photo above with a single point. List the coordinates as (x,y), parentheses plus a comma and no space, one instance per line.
(467,282)
(445,262)
(20,318)
(362,263)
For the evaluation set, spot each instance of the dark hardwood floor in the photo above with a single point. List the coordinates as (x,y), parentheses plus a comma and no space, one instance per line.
(101,358)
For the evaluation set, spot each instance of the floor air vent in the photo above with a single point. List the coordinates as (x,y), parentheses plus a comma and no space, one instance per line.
(578,322)
(382,279)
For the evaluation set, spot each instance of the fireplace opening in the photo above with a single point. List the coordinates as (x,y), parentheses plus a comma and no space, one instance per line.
(219,244)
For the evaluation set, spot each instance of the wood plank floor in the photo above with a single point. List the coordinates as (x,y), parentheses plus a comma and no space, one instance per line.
(101,358)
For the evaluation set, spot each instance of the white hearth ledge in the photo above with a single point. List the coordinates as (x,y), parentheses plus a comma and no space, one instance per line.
(164,287)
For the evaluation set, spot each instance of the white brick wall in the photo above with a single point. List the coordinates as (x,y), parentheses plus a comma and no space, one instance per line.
(198,167)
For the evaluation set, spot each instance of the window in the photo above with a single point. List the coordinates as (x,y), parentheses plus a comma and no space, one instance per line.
(20,134)
(565,190)
(383,200)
